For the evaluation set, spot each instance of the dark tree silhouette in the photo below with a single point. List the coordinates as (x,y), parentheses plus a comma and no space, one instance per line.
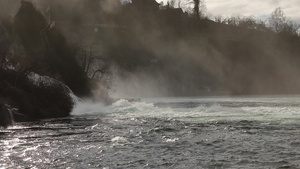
(196,8)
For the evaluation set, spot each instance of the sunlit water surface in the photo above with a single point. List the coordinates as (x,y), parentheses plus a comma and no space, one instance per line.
(212,132)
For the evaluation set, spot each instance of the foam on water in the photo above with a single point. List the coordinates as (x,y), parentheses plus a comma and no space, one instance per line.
(263,110)
(122,106)
(161,133)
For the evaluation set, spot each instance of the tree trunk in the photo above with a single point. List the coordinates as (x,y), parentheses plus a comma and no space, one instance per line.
(196,8)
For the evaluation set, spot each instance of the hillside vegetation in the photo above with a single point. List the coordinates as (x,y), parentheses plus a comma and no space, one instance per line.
(50,49)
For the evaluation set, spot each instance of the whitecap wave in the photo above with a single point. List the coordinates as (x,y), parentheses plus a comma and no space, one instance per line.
(202,114)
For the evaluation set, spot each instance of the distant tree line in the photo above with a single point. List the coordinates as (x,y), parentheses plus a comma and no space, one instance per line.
(278,22)
(174,44)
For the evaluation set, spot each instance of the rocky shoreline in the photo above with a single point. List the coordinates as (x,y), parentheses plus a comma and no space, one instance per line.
(34,76)
(32,98)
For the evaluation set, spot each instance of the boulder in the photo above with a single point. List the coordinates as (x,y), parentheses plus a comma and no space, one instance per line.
(33,97)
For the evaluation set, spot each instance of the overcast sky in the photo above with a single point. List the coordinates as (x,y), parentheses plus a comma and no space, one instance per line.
(257,8)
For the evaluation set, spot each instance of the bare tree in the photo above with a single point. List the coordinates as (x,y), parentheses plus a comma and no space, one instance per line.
(171,3)
(233,20)
(197,7)
(91,63)
(248,22)
(219,19)
(175,3)
(86,56)
(278,22)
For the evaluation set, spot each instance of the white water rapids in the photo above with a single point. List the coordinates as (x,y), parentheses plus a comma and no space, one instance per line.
(207,132)
(284,110)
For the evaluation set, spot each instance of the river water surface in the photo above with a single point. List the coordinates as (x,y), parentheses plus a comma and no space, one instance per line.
(209,132)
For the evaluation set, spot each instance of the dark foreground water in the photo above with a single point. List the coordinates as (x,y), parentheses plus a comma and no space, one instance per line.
(252,132)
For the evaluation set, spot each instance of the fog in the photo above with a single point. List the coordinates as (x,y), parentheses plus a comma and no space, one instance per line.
(144,50)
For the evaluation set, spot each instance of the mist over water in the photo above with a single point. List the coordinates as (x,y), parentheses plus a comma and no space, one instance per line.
(164,52)
(201,110)
(168,90)
(209,132)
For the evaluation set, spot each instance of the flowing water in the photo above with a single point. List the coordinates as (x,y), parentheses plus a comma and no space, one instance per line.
(211,132)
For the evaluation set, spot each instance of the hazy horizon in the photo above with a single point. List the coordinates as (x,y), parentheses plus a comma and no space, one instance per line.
(257,8)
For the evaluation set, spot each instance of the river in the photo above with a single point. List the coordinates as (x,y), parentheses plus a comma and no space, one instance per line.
(195,132)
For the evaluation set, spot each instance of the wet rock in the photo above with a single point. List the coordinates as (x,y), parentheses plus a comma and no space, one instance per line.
(34,99)
(5,115)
